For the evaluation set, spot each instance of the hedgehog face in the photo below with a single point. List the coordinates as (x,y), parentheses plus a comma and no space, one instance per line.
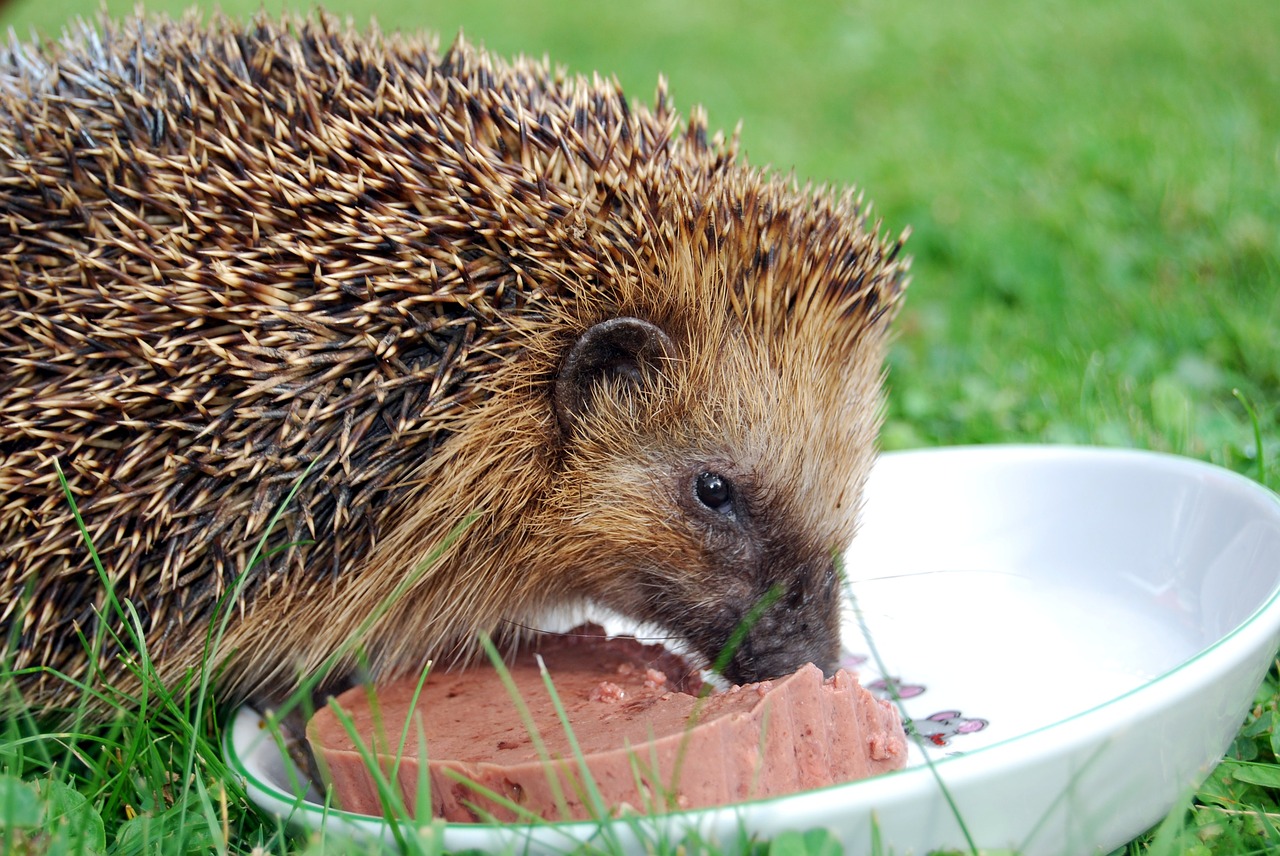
(707,516)
(759,597)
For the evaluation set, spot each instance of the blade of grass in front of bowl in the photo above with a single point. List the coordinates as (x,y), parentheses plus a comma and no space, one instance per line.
(596,802)
(553,781)
(394,811)
(897,700)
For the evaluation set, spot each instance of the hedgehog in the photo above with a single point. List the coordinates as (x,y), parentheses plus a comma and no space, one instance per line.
(334,333)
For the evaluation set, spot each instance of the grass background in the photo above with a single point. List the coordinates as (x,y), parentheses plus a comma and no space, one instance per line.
(1094,194)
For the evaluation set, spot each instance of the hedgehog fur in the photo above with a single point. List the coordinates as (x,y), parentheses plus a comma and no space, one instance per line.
(447,288)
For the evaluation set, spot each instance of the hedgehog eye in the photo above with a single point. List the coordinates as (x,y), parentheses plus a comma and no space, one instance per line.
(715,492)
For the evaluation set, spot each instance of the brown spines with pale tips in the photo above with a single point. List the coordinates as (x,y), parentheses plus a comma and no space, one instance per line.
(234,253)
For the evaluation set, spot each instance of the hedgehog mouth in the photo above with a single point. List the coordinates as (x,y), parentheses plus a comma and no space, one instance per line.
(757,646)
(649,631)
(727,645)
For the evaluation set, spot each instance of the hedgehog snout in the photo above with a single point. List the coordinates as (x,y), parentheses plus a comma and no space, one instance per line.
(794,622)
(764,655)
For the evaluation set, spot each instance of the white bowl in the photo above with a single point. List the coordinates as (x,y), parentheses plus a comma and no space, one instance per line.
(1077,634)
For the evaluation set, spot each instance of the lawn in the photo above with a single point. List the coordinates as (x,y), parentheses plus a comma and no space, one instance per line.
(1093,191)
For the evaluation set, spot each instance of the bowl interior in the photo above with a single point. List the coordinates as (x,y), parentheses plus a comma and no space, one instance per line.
(1021,587)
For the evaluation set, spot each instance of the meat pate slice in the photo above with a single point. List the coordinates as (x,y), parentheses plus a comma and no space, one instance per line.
(651,739)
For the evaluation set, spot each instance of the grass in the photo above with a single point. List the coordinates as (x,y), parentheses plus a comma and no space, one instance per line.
(1094,193)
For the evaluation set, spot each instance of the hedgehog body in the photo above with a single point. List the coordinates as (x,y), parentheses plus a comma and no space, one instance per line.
(480,338)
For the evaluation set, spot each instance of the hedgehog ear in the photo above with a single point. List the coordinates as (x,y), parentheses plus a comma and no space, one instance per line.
(621,348)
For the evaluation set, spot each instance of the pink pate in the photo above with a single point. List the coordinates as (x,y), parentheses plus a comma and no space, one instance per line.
(651,739)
